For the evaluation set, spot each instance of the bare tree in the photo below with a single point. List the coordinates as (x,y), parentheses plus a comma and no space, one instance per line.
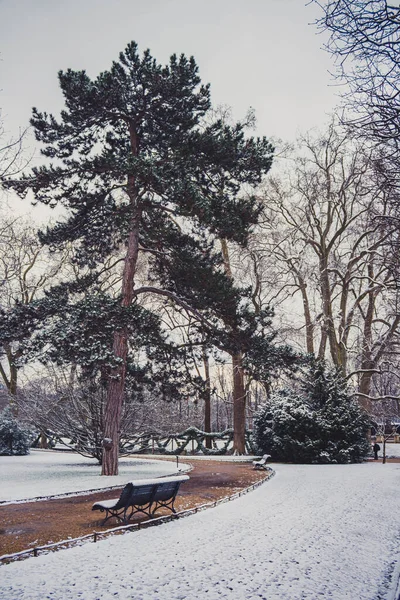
(12,156)
(365,41)
(322,231)
(70,410)
(26,268)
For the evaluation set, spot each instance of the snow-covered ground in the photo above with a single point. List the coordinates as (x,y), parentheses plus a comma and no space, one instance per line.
(44,473)
(392,450)
(310,532)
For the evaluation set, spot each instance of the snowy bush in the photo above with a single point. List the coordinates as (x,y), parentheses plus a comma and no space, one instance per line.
(319,423)
(14,438)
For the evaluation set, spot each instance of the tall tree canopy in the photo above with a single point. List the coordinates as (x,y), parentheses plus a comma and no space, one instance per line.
(140,174)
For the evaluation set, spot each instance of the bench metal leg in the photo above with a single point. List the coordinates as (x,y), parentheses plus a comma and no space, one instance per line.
(145,509)
(117,514)
(168,504)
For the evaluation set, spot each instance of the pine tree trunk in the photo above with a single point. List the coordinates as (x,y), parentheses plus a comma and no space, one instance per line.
(207,399)
(239,405)
(112,416)
(239,392)
(116,381)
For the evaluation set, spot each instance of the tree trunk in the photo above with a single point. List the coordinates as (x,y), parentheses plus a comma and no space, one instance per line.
(207,398)
(12,380)
(307,315)
(322,343)
(72,376)
(43,441)
(239,405)
(367,362)
(239,392)
(116,381)
(338,352)
(225,255)
(115,396)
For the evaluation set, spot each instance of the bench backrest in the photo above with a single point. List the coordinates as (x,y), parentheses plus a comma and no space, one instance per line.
(125,497)
(263,460)
(166,491)
(142,494)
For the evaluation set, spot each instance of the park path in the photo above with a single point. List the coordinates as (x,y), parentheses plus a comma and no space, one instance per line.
(30,524)
(311,531)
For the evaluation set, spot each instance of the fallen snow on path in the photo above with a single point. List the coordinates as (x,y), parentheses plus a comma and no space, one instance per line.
(310,532)
(43,473)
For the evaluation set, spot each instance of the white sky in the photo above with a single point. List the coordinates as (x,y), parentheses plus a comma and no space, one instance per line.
(264,54)
(259,53)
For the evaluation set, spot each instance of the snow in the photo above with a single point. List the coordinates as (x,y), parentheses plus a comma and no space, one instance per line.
(45,473)
(312,531)
(392,450)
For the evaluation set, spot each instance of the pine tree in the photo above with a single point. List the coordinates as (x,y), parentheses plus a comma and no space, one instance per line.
(137,171)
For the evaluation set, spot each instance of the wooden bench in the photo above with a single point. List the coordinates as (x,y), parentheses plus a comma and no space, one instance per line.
(262,463)
(142,495)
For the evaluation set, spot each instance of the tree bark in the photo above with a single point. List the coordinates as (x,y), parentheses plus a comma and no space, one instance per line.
(239,405)
(207,398)
(239,391)
(307,315)
(225,256)
(12,380)
(337,350)
(115,396)
(367,361)
(116,380)
(43,441)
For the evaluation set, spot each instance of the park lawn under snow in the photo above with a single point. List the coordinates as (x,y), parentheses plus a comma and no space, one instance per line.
(312,531)
(46,473)
(392,450)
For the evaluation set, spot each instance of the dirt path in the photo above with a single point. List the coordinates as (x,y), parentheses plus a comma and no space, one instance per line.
(29,524)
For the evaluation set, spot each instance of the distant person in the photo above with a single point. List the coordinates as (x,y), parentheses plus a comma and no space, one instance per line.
(376,448)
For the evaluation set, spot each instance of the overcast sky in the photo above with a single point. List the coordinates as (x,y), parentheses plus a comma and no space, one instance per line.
(260,53)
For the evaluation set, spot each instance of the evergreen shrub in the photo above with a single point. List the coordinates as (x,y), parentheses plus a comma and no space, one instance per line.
(318,423)
(15,439)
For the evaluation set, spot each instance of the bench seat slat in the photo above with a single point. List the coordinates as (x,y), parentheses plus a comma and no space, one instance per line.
(106,503)
(262,463)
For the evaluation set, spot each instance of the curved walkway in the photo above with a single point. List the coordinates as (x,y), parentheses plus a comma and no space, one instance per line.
(310,532)
(31,524)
